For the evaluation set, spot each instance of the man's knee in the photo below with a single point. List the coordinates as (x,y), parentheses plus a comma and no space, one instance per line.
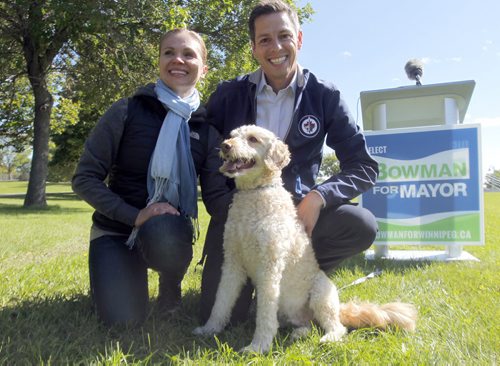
(367,229)
(347,222)
(342,232)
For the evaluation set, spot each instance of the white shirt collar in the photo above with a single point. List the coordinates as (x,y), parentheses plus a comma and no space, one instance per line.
(263,83)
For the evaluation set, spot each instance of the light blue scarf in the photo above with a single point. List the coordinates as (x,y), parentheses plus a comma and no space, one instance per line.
(171,174)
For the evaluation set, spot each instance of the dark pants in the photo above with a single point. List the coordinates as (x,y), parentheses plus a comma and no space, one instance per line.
(118,275)
(341,232)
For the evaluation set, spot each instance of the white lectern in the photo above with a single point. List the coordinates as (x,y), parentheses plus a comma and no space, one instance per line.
(413,106)
(428,111)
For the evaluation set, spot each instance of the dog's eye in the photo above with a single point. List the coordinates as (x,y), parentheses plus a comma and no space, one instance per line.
(252,139)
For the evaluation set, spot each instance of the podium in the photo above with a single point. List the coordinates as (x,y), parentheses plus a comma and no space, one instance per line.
(413,106)
(429,190)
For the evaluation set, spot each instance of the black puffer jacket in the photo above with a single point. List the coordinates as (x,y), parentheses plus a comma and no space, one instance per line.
(119,150)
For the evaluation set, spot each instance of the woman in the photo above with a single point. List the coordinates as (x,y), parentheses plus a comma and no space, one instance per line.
(150,147)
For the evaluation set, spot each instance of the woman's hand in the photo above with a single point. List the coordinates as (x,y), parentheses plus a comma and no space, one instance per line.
(158,208)
(308,211)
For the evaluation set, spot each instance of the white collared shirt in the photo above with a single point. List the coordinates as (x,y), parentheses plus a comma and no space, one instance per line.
(275,111)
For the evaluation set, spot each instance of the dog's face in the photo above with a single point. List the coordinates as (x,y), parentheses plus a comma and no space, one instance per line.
(253,151)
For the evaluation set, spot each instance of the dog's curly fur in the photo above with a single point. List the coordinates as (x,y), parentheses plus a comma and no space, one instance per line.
(264,240)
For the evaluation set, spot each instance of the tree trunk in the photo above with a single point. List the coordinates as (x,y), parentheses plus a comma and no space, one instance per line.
(35,196)
(38,60)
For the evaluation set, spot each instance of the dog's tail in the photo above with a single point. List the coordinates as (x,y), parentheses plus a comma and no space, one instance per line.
(366,315)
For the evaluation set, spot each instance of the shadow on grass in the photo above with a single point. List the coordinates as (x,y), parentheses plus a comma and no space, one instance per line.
(15,208)
(359,262)
(65,330)
(60,196)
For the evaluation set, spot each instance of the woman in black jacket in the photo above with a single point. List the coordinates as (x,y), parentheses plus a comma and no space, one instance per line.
(151,148)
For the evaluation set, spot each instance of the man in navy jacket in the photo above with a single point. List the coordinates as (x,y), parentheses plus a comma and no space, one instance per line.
(305,113)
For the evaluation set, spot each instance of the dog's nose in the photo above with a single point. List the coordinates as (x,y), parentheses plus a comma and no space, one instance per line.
(225,147)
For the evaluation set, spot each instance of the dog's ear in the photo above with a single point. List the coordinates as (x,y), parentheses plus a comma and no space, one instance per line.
(278,155)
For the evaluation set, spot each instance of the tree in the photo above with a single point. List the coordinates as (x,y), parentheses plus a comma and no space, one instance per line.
(7,160)
(44,39)
(23,164)
(329,166)
(15,162)
(94,51)
(35,36)
(16,106)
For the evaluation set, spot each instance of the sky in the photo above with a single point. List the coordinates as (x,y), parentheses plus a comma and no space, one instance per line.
(363,45)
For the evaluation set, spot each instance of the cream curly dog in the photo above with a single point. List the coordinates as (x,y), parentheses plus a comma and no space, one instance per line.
(264,240)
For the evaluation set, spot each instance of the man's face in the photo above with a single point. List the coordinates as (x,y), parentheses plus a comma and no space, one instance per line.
(275,47)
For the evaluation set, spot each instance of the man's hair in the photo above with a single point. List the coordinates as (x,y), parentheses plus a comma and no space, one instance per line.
(265,7)
(193,34)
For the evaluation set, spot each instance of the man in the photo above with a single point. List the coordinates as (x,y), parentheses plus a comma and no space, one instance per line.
(304,112)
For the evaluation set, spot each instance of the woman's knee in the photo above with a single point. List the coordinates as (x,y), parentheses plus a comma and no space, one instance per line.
(165,242)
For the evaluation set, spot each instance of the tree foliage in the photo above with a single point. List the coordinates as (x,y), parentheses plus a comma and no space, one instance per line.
(330,165)
(16,114)
(14,164)
(36,38)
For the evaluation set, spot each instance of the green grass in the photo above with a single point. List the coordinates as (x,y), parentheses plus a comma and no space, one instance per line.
(46,317)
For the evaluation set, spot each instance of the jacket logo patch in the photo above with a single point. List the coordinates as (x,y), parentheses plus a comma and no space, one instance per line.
(194,135)
(309,126)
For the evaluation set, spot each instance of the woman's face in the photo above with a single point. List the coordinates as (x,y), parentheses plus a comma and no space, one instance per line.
(181,63)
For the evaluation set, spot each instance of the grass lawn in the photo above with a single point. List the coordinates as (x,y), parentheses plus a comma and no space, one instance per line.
(46,317)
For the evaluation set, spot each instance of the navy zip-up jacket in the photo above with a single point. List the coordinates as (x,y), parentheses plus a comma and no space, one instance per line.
(320,115)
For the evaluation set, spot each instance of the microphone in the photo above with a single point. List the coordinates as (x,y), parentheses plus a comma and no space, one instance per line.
(414,70)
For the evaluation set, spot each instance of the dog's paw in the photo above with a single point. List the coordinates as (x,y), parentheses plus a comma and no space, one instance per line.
(334,335)
(205,331)
(252,348)
(258,346)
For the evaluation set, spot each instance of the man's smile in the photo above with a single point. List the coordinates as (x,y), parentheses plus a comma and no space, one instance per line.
(278,61)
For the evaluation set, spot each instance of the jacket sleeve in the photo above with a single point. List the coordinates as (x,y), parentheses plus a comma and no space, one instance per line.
(100,151)
(358,170)
(216,191)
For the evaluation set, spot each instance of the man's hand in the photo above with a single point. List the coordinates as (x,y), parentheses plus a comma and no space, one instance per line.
(158,208)
(308,211)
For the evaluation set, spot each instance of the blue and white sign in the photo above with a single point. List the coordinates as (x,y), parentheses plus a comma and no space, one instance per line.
(429,189)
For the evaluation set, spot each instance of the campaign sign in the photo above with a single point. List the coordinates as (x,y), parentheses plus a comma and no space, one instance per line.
(429,188)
